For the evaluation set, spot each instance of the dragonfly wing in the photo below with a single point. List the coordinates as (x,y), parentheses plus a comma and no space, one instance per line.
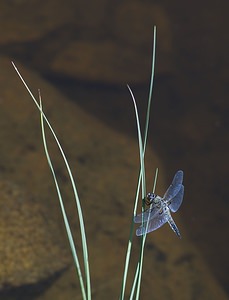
(177,200)
(174,187)
(153,224)
(146,215)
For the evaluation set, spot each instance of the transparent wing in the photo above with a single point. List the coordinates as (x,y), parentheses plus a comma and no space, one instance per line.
(153,224)
(174,187)
(177,200)
(146,215)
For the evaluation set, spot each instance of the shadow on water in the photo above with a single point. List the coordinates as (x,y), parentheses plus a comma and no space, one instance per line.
(28,292)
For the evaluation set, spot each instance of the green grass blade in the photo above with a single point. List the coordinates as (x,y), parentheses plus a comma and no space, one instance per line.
(144,148)
(66,223)
(141,256)
(141,151)
(134,283)
(141,182)
(129,246)
(151,88)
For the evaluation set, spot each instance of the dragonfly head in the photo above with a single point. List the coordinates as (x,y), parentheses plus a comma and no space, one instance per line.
(150,197)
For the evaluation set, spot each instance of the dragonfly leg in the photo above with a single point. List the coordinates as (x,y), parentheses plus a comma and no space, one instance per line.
(149,199)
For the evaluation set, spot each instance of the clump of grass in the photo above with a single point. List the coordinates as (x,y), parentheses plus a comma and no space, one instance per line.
(86,292)
(84,278)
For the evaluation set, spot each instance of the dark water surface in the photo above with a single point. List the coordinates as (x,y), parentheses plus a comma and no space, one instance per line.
(188,134)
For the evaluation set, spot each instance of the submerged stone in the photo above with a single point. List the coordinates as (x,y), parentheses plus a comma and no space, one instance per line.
(30,250)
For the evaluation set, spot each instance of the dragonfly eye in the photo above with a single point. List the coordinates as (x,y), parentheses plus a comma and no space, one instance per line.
(150,196)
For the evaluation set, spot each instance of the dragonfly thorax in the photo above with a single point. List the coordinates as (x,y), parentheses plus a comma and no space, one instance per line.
(152,198)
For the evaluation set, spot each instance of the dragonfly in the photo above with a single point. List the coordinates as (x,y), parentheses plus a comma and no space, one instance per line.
(159,209)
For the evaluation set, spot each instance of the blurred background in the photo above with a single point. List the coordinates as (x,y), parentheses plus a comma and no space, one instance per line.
(90,50)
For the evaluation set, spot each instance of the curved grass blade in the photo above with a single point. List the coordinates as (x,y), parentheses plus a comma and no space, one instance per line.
(66,223)
(150,89)
(143,240)
(142,182)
